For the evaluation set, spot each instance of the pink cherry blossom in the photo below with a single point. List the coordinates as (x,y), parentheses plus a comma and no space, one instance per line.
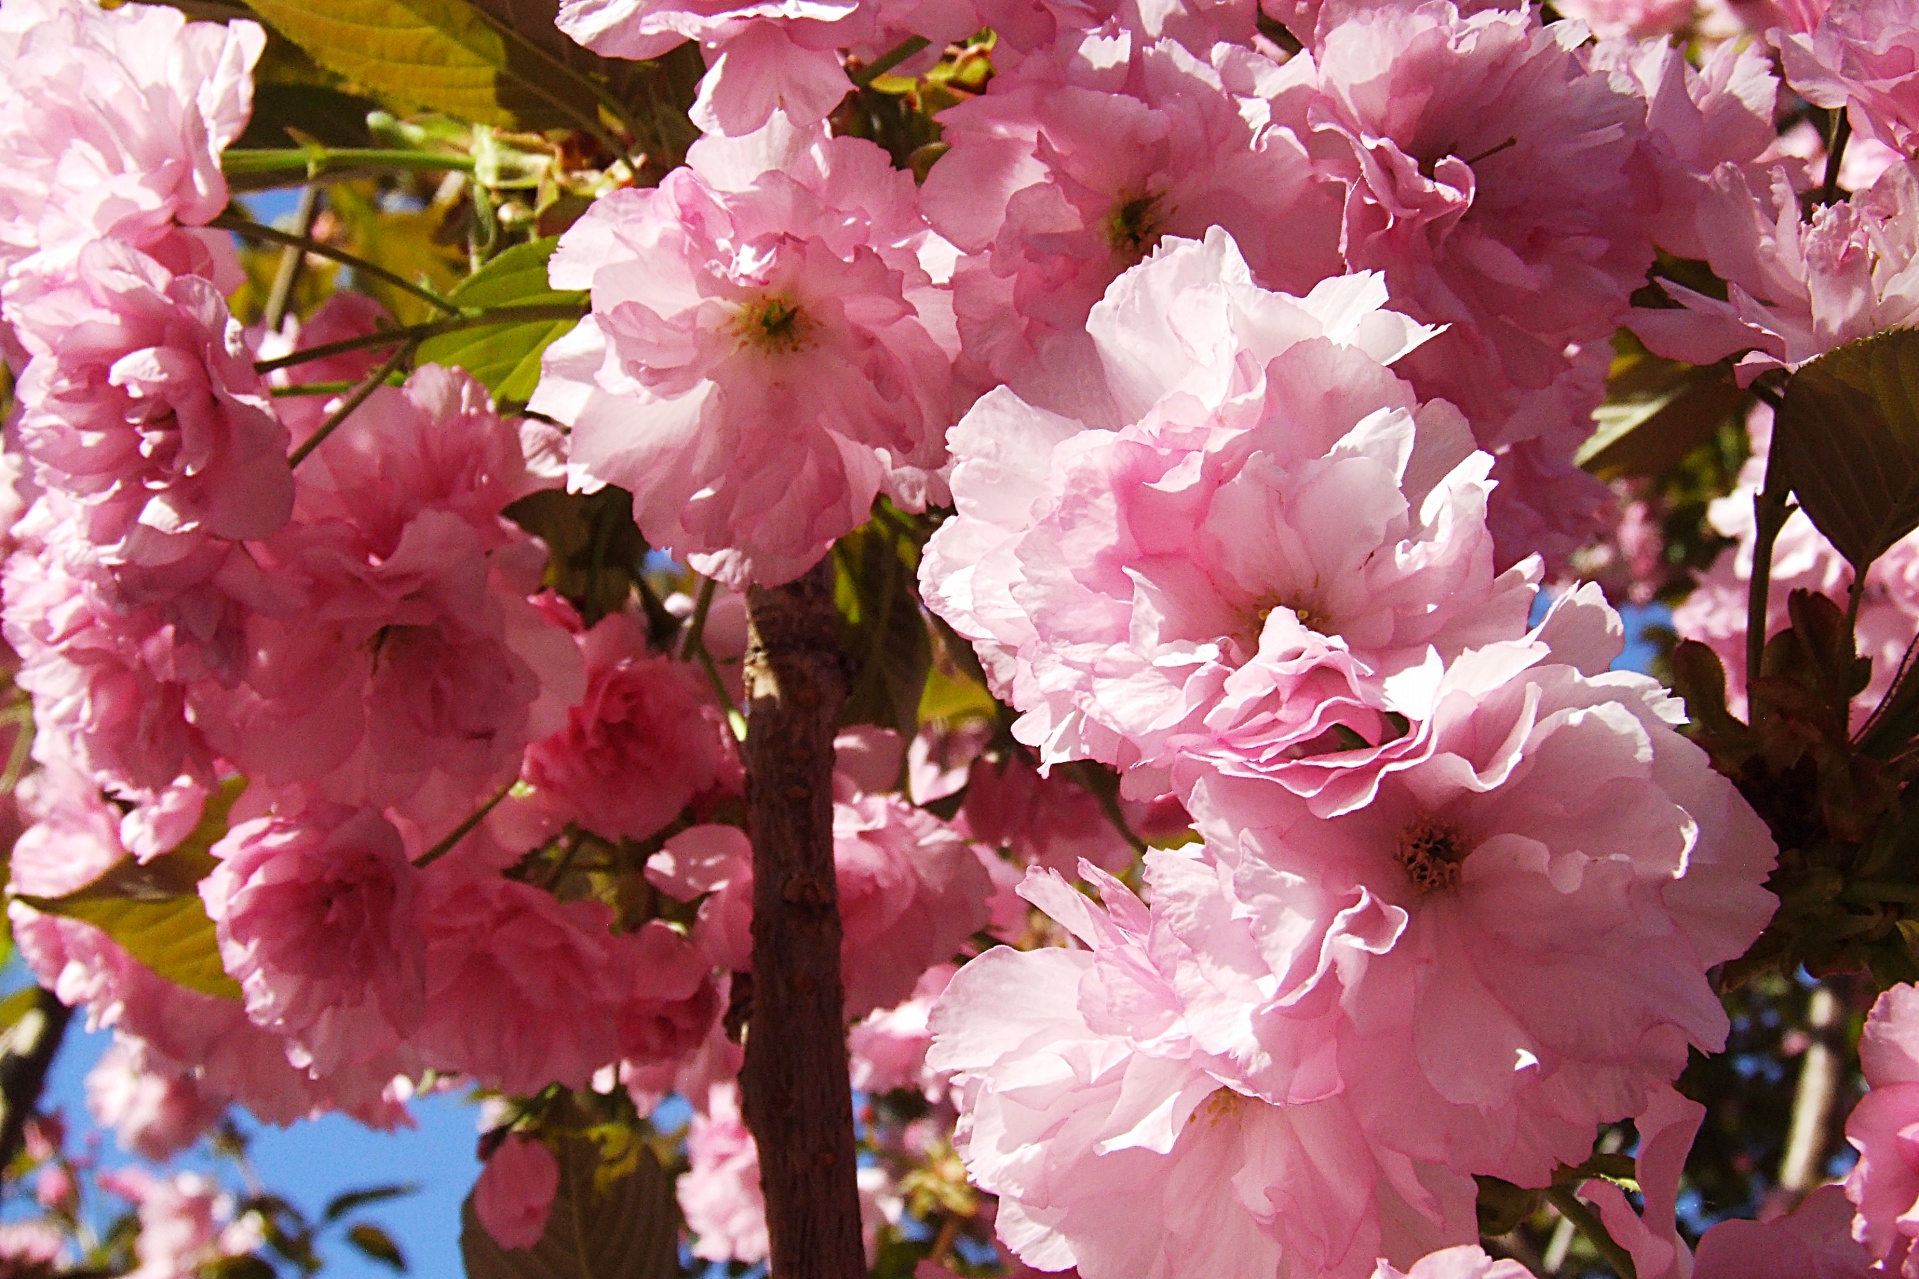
(1612,19)
(720,1190)
(1544,793)
(112,122)
(767,353)
(181,1220)
(1120,1145)
(1860,57)
(155,1113)
(1109,578)
(1490,175)
(1467,1261)
(521,990)
(645,742)
(1814,1241)
(1884,1184)
(1666,1130)
(141,403)
(317,917)
(1697,118)
(888,1048)
(515,1192)
(1795,288)
(1072,167)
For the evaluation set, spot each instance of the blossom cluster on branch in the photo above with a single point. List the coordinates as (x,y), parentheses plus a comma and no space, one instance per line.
(1247,858)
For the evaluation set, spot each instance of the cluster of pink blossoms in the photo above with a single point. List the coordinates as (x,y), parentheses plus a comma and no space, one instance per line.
(1252,377)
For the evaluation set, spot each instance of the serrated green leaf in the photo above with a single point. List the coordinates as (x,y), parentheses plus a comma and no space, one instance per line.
(440,55)
(170,935)
(377,1244)
(506,359)
(1846,441)
(340,1205)
(629,1230)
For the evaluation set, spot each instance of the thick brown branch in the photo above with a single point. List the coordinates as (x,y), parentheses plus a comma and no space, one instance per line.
(797,1100)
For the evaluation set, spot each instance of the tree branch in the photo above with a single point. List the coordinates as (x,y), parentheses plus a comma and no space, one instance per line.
(797,1100)
(26,1053)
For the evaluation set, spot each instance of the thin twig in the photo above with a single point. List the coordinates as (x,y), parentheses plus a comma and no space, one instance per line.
(1836,154)
(465,828)
(26,1053)
(258,231)
(695,640)
(373,382)
(1587,1222)
(313,162)
(421,332)
(291,259)
(888,60)
(1770,510)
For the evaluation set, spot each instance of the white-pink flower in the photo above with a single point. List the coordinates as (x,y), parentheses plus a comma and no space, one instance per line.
(1543,828)
(1884,1184)
(141,402)
(1861,56)
(155,1112)
(1072,167)
(1490,175)
(720,1190)
(112,122)
(1243,571)
(1796,288)
(1466,1261)
(1120,1144)
(768,351)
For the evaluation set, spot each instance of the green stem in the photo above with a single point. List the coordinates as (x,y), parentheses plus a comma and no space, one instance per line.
(430,329)
(1770,509)
(312,162)
(373,382)
(1587,1222)
(695,641)
(255,231)
(312,388)
(465,828)
(888,60)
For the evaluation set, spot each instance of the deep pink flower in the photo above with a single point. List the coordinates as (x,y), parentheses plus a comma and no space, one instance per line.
(317,917)
(767,350)
(1884,1128)
(1120,1144)
(646,740)
(141,402)
(1863,56)
(112,122)
(1490,175)
(1072,167)
(515,1192)
(1280,533)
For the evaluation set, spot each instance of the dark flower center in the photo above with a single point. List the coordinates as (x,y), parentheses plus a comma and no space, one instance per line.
(1431,851)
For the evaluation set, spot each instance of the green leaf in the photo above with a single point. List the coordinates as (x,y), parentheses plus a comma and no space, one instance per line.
(377,1244)
(1656,412)
(17,1005)
(595,552)
(340,1205)
(170,935)
(507,358)
(628,1230)
(153,909)
(1846,441)
(882,632)
(439,55)
(325,114)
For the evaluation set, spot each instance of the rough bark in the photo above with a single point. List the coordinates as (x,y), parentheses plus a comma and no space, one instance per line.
(795,1092)
(26,1052)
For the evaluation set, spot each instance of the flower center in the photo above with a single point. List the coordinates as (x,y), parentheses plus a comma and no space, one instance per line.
(774,324)
(1221,1106)
(1133,226)
(1431,852)
(1312,614)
